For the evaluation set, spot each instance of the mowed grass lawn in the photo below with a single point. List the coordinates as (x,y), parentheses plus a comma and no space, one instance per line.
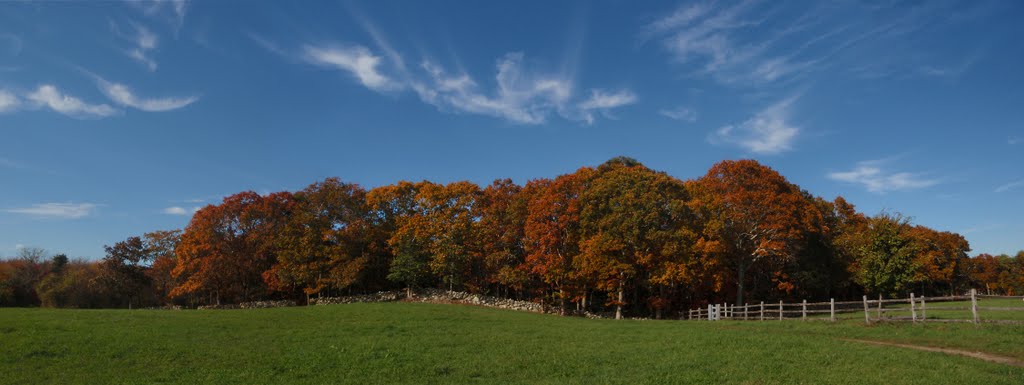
(386,343)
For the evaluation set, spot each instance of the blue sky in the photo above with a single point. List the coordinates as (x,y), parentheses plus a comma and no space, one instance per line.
(119,118)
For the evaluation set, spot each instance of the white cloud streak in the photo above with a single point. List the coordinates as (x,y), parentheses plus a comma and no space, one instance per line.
(51,97)
(604,101)
(521,96)
(123,95)
(57,210)
(177,210)
(767,132)
(8,101)
(757,43)
(680,113)
(877,180)
(145,42)
(357,60)
(1009,186)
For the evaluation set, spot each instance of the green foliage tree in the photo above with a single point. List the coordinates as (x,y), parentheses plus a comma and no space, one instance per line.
(885,264)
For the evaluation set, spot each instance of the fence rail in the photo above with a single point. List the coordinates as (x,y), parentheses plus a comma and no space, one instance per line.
(913,309)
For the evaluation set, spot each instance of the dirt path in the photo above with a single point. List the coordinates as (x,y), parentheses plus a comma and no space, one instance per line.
(978,355)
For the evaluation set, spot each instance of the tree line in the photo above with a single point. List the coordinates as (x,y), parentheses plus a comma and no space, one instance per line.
(619,238)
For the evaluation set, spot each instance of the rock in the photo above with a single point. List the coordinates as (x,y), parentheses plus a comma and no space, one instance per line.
(435,296)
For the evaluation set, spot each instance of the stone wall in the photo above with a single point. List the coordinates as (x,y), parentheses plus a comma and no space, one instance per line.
(249,305)
(435,296)
(382,296)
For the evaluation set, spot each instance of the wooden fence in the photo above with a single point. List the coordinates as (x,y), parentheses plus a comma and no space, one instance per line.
(955,308)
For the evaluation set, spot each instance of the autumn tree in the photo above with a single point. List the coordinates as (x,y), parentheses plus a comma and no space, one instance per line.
(751,215)
(160,246)
(323,245)
(821,267)
(393,208)
(999,274)
(226,248)
(449,222)
(636,232)
(20,276)
(74,286)
(552,232)
(502,209)
(886,256)
(941,259)
(123,270)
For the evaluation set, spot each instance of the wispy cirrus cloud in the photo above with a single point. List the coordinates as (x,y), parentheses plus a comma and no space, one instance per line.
(754,43)
(603,101)
(519,93)
(1010,186)
(143,41)
(7,163)
(8,101)
(123,95)
(356,60)
(767,132)
(681,113)
(50,97)
(173,10)
(876,179)
(521,96)
(714,40)
(57,210)
(178,210)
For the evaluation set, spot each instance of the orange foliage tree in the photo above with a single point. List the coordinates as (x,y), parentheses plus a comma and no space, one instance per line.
(750,215)
(636,232)
(552,232)
(226,248)
(323,245)
(502,209)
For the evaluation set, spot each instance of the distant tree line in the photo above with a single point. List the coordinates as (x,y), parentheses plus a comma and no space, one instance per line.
(619,237)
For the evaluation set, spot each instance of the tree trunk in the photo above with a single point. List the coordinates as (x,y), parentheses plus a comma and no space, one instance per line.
(741,274)
(618,305)
(561,301)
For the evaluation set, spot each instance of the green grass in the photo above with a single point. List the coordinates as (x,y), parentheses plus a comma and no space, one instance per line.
(964,313)
(441,344)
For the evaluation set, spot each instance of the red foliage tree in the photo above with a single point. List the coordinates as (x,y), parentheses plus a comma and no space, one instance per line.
(751,215)
(225,249)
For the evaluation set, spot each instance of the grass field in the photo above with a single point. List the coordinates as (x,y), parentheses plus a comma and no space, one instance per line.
(424,343)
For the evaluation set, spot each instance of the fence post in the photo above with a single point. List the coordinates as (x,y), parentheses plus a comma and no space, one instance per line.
(710,314)
(746,307)
(913,308)
(762,310)
(974,304)
(924,310)
(805,310)
(832,308)
(879,307)
(867,316)
(780,310)
(689,314)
